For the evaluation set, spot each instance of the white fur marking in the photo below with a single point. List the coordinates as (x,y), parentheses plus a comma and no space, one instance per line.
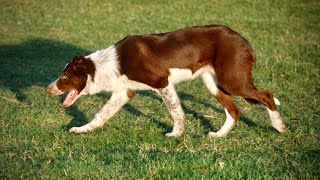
(54,88)
(276,121)
(171,100)
(276,101)
(226,128)
(65,66)
(107,70)
(178,75)
(117,100)
(211,82)
(124,82)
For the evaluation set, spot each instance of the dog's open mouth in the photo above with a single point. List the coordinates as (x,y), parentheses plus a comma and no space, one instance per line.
(71,97)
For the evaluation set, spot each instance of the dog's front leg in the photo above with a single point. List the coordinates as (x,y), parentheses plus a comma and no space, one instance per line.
(117,100)
(170,97)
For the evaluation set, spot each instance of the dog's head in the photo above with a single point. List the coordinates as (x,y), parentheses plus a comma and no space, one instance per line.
(73,79)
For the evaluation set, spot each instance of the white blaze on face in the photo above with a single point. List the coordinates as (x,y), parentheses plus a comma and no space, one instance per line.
(65,66)
(53,88)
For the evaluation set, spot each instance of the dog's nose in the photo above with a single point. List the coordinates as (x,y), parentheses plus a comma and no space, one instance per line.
(53,89)
(49,89)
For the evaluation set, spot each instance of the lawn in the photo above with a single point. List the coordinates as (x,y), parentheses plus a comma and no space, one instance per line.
(37,39)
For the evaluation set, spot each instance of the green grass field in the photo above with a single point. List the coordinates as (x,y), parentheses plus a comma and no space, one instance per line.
(37,38)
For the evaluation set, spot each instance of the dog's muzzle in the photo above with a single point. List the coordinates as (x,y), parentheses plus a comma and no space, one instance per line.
(53,89)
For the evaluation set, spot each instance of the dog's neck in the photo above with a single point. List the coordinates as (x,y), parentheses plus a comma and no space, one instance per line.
(107,70)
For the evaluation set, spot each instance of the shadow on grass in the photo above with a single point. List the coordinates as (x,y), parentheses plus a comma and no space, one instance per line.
(135,111)
(79,118)
(205,122)
(167,128)
(39,61)
(36,62)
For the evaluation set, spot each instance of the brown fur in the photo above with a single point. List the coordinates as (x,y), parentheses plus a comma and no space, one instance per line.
(148,58)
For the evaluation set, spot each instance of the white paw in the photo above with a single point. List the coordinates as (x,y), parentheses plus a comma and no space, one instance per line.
(80,130)
(216,134)
(276,101)
(279,126)
(174,134)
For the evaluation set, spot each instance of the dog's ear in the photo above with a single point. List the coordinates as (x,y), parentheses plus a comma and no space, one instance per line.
(79,64)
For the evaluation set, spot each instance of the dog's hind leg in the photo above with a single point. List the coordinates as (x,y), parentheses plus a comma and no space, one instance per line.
(171,100)
(117,100)
(231,110)
(267,100)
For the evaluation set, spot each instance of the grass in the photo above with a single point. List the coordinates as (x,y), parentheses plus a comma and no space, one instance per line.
(37,38)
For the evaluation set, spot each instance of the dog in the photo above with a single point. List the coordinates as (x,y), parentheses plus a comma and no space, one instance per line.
(222,57)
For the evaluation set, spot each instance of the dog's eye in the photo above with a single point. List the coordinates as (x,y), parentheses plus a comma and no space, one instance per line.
(64,77)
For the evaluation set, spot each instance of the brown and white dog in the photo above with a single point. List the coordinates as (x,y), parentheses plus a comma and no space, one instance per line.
(222,57)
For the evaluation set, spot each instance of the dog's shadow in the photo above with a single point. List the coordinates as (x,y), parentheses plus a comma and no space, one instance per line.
(80,119)
(204,121)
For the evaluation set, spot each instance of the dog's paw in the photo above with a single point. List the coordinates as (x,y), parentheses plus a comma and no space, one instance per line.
(279,126)
(74,130)
(216,134)
(174,134)
(80,130)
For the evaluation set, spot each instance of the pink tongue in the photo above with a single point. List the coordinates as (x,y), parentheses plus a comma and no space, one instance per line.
(68,101)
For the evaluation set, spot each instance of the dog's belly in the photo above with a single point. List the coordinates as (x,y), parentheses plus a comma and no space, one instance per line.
(179,75)
(176,76)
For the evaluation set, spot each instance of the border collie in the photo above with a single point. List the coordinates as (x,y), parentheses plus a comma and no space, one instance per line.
(222,57)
